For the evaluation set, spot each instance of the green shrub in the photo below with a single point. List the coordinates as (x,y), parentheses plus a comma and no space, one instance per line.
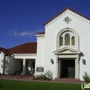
(38,77)
(86,77)
(46,76)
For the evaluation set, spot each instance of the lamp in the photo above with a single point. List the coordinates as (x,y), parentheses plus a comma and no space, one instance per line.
(84,61)
(52,61)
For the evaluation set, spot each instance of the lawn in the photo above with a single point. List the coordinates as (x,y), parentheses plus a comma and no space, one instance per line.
(26,85)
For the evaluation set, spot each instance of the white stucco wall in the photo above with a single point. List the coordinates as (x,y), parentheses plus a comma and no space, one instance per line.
(1,62)
(6,64)
(81,26)
(40,53)
(9,65)
(24,56)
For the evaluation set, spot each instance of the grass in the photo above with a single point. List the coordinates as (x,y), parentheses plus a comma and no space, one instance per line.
(26,85)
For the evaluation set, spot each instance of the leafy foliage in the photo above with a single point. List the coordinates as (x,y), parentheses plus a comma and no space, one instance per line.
(46,76)
(86,77)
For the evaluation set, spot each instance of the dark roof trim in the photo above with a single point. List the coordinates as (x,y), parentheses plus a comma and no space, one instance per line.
(41,33)
(62,12)
(5,51)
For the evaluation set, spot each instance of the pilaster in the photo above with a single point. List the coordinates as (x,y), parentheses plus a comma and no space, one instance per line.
(24,67)
(57,73)
(77,67)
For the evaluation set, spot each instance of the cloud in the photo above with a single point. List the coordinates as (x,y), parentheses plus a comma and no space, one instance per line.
(27,33)
(15,33)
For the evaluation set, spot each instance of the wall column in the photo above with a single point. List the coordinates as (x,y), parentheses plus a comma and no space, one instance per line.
(63,41)
(57,73)
(77,67)
(59,68)
(24,67)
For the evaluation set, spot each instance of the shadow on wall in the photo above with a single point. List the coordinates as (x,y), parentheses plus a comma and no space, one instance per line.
(82,54)
(83,60)
(5,66)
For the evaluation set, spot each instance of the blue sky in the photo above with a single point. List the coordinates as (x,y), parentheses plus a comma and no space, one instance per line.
(21,19)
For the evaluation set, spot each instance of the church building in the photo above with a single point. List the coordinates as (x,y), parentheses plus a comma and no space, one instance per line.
(62,49)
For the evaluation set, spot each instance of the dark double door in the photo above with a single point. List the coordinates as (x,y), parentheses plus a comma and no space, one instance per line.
(68,69)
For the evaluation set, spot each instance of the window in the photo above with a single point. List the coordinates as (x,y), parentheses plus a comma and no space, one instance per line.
(73,40)
(61,41)
(67,39)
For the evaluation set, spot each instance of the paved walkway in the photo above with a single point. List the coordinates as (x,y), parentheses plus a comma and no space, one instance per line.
(30,78)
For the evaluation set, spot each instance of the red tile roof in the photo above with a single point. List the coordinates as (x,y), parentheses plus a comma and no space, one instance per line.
(62,12)
(29,47)
(5,51)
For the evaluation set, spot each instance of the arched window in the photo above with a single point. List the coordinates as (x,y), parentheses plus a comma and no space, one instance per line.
(61,41)
(73,40)
(67,39)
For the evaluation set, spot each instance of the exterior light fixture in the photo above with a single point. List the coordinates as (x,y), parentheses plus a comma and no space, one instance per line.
(52,61)
(84,61)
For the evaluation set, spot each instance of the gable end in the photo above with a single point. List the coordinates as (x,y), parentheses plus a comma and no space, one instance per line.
(74,12)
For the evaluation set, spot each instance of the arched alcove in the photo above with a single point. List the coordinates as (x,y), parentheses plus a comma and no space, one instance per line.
(67,37)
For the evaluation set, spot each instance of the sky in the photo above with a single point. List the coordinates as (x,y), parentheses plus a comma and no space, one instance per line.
(20,20)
